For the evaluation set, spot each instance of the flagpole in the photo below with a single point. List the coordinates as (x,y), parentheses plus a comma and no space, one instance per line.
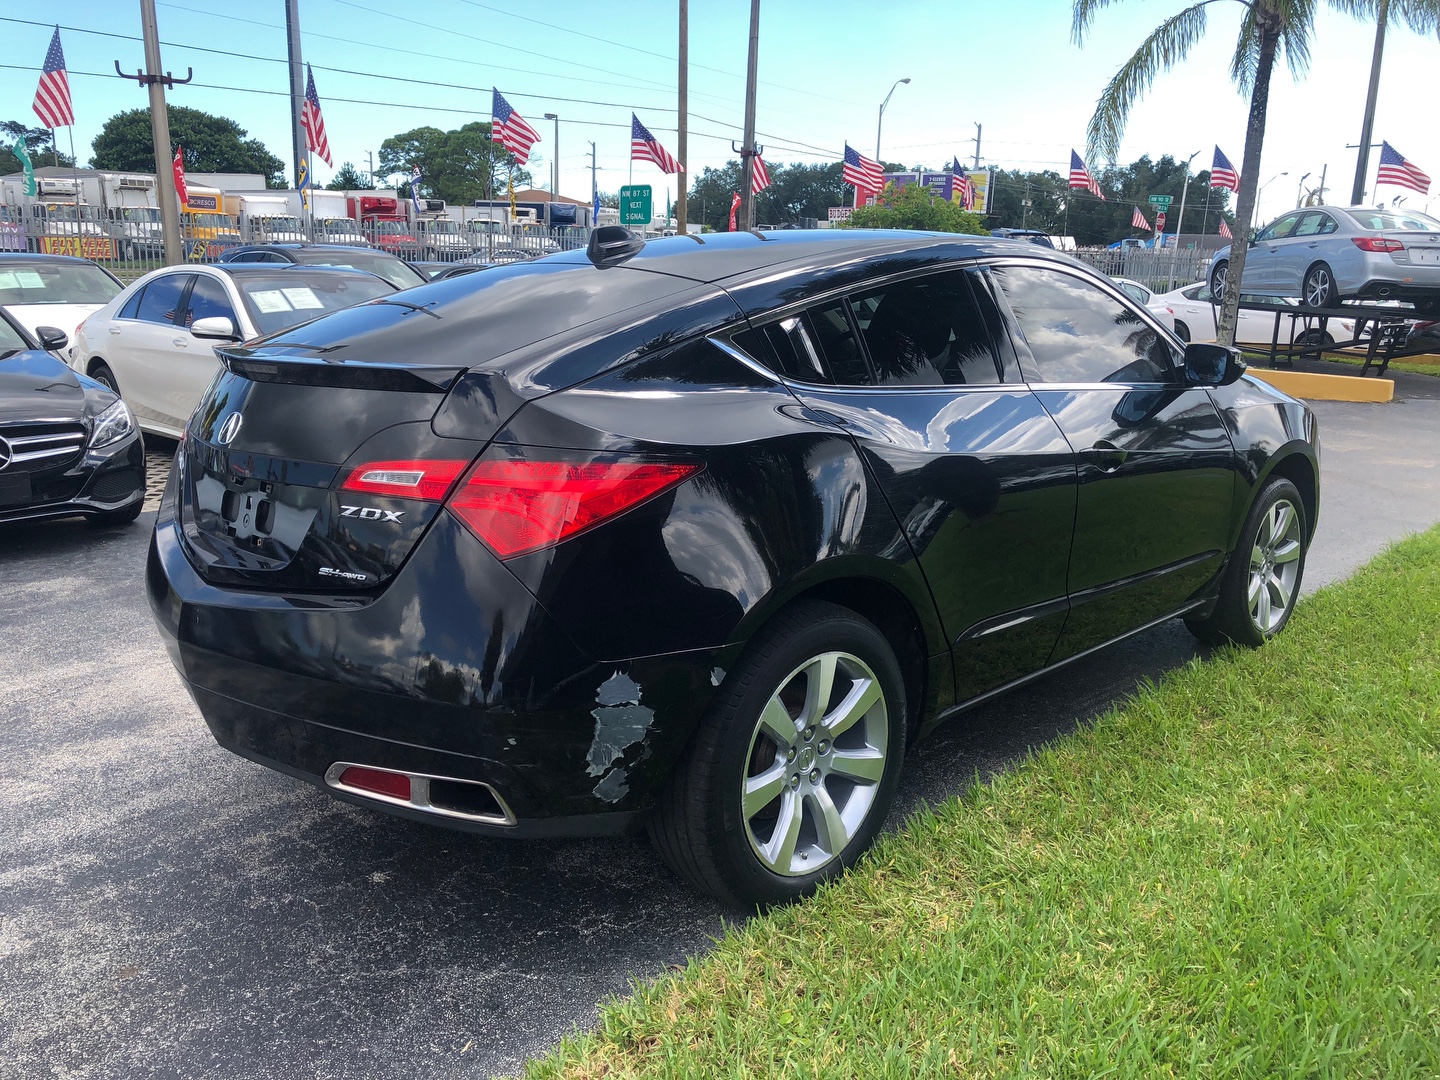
(75,176)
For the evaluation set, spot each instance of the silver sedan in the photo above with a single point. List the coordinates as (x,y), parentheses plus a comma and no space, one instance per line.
(1324,255)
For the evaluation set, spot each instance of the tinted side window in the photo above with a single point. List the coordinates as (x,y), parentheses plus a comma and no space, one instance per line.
(926,332)
(161,301)
(783,347)
(208,300)
(1078,333)
(834,337)
(132,305)
(1312,224)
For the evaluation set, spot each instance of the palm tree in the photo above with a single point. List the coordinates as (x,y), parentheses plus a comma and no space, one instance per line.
(1268,26)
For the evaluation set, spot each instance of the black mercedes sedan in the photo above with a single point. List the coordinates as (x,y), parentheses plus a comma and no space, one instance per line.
(68,445)
(701,534)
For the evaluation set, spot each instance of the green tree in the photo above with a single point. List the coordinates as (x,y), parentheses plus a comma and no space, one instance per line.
(211,144)
(1268,28)
(37,140)
(795,192)
(915,206)
(457,166)
(349,178)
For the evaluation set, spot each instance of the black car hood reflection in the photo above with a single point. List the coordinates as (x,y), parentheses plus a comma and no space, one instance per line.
(34,383)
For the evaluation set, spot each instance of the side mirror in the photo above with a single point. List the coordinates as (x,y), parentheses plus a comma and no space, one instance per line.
(51,338)
(219,327)
(1212,365)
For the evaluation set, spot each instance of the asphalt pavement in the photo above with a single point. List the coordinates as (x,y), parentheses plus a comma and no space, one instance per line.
(170,910)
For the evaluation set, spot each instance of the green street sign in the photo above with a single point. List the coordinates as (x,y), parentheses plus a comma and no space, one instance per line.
(636,204)
(1162,201)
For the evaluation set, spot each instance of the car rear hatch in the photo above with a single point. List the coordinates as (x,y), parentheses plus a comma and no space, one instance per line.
(302,474)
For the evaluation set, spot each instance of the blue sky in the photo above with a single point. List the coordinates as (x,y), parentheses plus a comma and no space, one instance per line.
(824,69)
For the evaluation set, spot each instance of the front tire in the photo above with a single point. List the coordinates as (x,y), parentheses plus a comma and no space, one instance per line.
(1262,580)
(102,374)
(792,771)
(1218,277)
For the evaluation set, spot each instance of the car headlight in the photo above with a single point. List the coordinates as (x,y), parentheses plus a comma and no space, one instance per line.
(114,423)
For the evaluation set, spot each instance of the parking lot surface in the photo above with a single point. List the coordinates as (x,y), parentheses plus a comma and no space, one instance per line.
(170,910)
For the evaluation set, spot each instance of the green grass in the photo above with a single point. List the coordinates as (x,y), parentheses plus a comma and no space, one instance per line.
(1419,365)
(1235,874)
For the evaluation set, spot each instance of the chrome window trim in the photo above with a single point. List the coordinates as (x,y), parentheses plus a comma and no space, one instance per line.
(420,793)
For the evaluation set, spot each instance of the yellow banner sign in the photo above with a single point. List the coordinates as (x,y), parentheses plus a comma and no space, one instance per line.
(86,247)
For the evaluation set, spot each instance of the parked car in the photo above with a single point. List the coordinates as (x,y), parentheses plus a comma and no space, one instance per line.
(53,290)
(439,271)
(441,240)
(1197,315)
(382,264)
(1423,335)
(339,231)
(1033,236)
(1156,305)
(702,536)
(1326,255)
(68,445)
(154,343)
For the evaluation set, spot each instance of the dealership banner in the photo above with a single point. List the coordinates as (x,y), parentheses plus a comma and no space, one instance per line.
(942,184)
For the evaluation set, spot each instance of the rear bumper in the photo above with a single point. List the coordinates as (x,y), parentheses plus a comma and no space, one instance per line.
(453,670)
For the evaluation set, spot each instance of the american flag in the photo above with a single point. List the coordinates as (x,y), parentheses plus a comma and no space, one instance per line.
(510,130)
(1394,169)
(1225,230)
(1081,179)
(961,190)
(1223,174)
(1137,220)
(312,121)
(759,175)
(734,209)
(645,147)
(52,96)
(864,174)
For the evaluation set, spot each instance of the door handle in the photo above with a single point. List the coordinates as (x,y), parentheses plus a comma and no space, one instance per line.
(1315,243)
(115,330)
(180,343)
(1107,456)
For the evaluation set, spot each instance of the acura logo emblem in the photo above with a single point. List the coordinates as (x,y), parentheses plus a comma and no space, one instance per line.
(229,429)
(5,453)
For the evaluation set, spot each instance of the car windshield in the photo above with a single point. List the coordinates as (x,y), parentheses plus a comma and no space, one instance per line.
(378,263)
(10,341)
(1394,219)
(287,298)
(142,213)
(212,221)
(342,226)
(56,283)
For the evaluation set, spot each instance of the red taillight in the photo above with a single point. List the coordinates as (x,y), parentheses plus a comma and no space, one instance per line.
(1376,243)
(516,507)
(427,480)
(377,781)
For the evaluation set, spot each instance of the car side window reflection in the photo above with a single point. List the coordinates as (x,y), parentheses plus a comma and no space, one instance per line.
(161,300)
(1079,333)
(926,331)
(207,301)
(836,341)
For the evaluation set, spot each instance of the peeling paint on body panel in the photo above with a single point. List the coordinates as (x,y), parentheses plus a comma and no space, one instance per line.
(620,722)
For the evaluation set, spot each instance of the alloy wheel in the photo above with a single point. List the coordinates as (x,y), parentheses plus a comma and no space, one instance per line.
(815,762)
(1274,567)
(1318,287)
(1217,281)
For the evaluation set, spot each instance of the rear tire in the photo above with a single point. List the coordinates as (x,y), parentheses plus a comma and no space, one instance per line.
(1318,289)
(1182,331)
(1262,581)
(782,776)
(101,373)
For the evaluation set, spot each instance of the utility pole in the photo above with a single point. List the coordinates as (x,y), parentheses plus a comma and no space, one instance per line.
(594,190)
(371,155)
(297,83)
(160,133)
(1367,126)
(976,141)
(555,158)
(747,151)
(682,216)
(1320,198)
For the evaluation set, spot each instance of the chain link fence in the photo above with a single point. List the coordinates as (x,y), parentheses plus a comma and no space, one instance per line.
(129,241)
(1158,270)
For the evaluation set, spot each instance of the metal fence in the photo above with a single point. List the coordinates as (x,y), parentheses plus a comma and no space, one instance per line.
(1159,270)
(129,241)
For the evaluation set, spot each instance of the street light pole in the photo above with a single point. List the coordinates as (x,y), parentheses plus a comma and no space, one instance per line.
(1180,218)
(881,120)
(1300,190)
(555,159)
(1261,193)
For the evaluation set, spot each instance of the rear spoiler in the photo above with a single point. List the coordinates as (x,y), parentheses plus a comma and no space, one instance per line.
(349,374)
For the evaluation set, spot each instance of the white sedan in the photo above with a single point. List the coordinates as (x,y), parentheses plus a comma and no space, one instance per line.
(1196,318)
(1150,301)
(54,290)
(153,344)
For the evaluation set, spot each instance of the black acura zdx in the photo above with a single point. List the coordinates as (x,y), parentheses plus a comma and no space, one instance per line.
(68,444)
(702,533)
